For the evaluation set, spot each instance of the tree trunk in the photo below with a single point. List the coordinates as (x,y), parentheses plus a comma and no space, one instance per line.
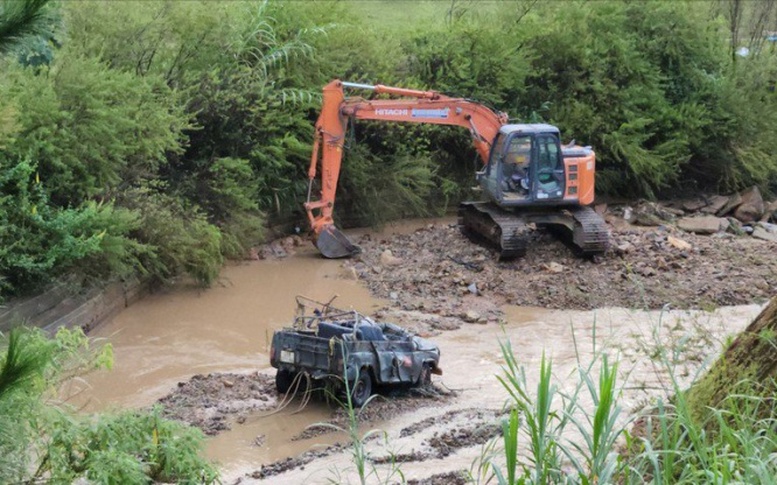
(748,366)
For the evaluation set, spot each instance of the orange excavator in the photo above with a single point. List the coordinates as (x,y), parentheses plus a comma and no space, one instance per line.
(528,177)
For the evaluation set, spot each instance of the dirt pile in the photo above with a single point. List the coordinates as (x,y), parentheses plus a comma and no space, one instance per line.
(209,401)
(437,270)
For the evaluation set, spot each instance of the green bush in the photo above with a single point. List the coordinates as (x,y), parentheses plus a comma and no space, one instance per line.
(42,440)
(92,129)
(40,240)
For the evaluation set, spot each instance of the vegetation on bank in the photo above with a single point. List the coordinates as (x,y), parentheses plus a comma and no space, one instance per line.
(43,440)
(160,137)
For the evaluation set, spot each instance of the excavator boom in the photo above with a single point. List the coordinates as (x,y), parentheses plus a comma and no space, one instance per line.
(416,106)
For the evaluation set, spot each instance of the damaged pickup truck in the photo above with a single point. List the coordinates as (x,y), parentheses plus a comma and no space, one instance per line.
(329,345)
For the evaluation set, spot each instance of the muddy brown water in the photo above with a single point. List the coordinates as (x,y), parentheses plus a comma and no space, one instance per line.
(173,335)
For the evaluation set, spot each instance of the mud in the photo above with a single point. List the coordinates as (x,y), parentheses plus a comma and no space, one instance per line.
(436,270)
(211,402)
(439,284)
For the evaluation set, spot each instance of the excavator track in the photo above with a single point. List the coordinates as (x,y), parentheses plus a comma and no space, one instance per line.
(504,230)
(581,227)
(589,235)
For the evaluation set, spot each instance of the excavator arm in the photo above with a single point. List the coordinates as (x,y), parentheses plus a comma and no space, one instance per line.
(412,106)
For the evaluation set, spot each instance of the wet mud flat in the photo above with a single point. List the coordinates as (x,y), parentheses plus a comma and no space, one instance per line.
(215,402)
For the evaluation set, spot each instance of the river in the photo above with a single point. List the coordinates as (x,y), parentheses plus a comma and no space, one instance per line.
(174,334)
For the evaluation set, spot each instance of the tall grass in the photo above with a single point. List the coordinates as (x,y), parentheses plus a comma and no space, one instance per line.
(581,436)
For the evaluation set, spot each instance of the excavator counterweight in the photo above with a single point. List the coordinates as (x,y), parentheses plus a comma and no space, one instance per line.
(528,177)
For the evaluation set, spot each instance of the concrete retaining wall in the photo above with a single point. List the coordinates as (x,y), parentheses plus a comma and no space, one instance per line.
(61,306)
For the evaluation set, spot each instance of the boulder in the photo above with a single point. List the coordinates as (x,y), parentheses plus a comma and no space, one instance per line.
(770,212)
(651,214)
(761,233)
(733,203)
(769,227)
(700,225)
(752,207)
(694,205)
(715,204)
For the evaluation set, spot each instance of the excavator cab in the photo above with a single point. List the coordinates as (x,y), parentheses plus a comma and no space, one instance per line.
(525,167)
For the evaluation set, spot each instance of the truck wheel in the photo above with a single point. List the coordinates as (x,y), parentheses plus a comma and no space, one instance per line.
(283,380)
(361,389)
(425,377)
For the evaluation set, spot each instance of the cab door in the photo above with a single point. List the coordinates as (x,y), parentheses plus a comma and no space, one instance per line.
(548,171)
(490,176)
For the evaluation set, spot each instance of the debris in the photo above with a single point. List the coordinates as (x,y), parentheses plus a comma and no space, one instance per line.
(473,288)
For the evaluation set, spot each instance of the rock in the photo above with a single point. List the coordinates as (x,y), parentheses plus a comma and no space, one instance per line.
(553,267)
(388,259)
(762,233)
(473,288)
(724,223)
(600,209)
(733,203)
(471,316)
(678,243)
(715,203)
(393,295)
(769,227)
(752,207)
(694,205)
(228,383)
(628,215)
(626,247)
(351,273)
(770,212)
(700,225)
(651,214)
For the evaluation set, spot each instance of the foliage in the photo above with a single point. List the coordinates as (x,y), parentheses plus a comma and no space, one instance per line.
(182,238)
(21,20)
(40,439)
(40,240)
(210,108)
(90,128)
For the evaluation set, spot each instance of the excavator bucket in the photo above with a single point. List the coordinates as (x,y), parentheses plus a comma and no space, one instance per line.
(334,244)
